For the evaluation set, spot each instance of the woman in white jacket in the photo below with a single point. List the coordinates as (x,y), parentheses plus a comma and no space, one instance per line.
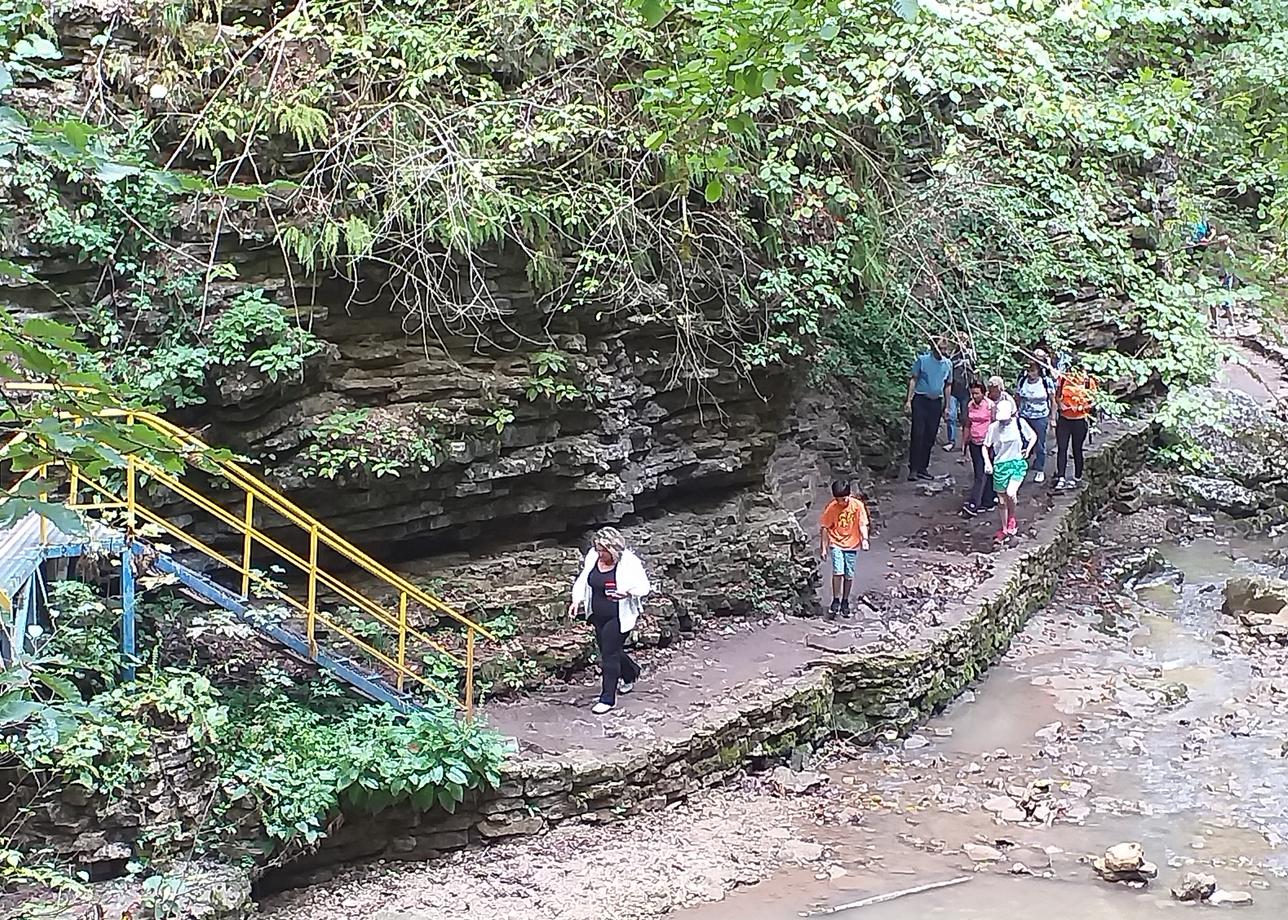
(610,594)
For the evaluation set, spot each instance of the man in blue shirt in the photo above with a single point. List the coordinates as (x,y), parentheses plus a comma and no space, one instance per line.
(929,391)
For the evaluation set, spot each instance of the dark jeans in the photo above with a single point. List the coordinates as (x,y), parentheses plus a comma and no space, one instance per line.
(957,412)
(981,491)
(1040,426)
(613,660)
(1069,431)
(926,413)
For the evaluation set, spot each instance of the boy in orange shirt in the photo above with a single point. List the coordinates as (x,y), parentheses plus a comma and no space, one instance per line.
(843,530)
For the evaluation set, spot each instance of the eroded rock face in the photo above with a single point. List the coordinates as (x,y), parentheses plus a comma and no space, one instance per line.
(1260,605)
(1247,441)
(477,440)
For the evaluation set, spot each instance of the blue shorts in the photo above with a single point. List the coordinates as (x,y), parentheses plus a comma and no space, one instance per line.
(843,561)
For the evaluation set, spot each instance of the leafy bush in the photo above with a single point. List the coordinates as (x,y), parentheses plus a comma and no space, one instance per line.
(294,754)
(298,766)
(257,331)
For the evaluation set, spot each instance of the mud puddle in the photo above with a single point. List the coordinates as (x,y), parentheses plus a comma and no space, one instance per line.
(1121,713)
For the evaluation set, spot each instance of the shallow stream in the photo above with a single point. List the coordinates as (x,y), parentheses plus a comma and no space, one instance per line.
(1171,733)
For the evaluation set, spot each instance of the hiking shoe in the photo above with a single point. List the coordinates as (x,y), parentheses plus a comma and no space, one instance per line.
(925,477)
(626,686)
(835,608)
(845,608)
(969,510)
(600,708)
(1040,477)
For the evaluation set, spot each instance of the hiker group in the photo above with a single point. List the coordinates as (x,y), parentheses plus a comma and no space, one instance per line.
(1003,431)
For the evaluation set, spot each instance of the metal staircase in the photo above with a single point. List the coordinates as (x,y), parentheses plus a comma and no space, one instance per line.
(332,603)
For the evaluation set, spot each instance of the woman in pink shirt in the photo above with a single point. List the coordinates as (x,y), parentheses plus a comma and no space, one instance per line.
(979,415)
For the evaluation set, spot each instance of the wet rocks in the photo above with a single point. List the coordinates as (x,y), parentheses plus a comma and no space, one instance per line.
(979,852)
(1221,495)
(1260,606)
(1195,886)
(1125,862)
(787,780)
(1031,803)
(1223,898)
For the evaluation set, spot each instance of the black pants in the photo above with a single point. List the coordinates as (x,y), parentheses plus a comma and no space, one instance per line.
(613,661)
(981,492)
(926,413)
(1069,431)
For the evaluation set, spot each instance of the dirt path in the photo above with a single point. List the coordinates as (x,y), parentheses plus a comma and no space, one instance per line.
(925,557)
(1118,714)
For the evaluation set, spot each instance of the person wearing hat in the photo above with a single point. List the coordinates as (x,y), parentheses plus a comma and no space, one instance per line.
(1007,444)
(1035,394)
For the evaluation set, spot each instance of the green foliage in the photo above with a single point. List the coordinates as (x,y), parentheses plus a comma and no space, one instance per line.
(83,637)
(1177,418)
(359,441)
(549,378)
(298,767)
(257,331)
(505,625)
(292,754)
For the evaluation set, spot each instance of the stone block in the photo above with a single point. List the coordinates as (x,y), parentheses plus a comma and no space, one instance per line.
(511,826)
(446,840)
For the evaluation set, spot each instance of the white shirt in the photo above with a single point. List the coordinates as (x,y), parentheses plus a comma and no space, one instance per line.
(1007,439)
(632,582)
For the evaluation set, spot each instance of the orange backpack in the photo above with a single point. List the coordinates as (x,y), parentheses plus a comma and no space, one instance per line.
(1074,396)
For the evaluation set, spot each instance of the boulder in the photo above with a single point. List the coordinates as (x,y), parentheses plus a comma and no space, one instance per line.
(1260,605)
(1195,886)
(1124,857)
(1222,495)
(1125,862)
(1246,440)
(787,780)
(1223,898)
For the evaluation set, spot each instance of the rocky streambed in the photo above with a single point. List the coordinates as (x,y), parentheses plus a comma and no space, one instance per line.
(1140,718)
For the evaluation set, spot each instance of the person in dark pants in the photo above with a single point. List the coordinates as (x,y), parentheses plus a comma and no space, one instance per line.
(979,415)
(1074,402)
(929,397)
(610,594)
(963,373)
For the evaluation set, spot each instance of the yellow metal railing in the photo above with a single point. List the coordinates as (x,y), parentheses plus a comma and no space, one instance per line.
(405,646)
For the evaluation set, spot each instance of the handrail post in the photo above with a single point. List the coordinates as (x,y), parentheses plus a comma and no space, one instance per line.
(311,624)
(246,544)
(130,477)
(402,638)
(44,497)
(129,493)
(469,673)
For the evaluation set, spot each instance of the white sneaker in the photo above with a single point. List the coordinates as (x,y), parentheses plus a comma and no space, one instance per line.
(1040,477)
(950,446)
(626,686)
(600,708)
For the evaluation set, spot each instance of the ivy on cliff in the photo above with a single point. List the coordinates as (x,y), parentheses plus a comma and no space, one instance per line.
(763,178)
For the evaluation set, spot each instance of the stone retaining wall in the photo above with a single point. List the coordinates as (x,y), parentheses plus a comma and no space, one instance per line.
(858,695)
